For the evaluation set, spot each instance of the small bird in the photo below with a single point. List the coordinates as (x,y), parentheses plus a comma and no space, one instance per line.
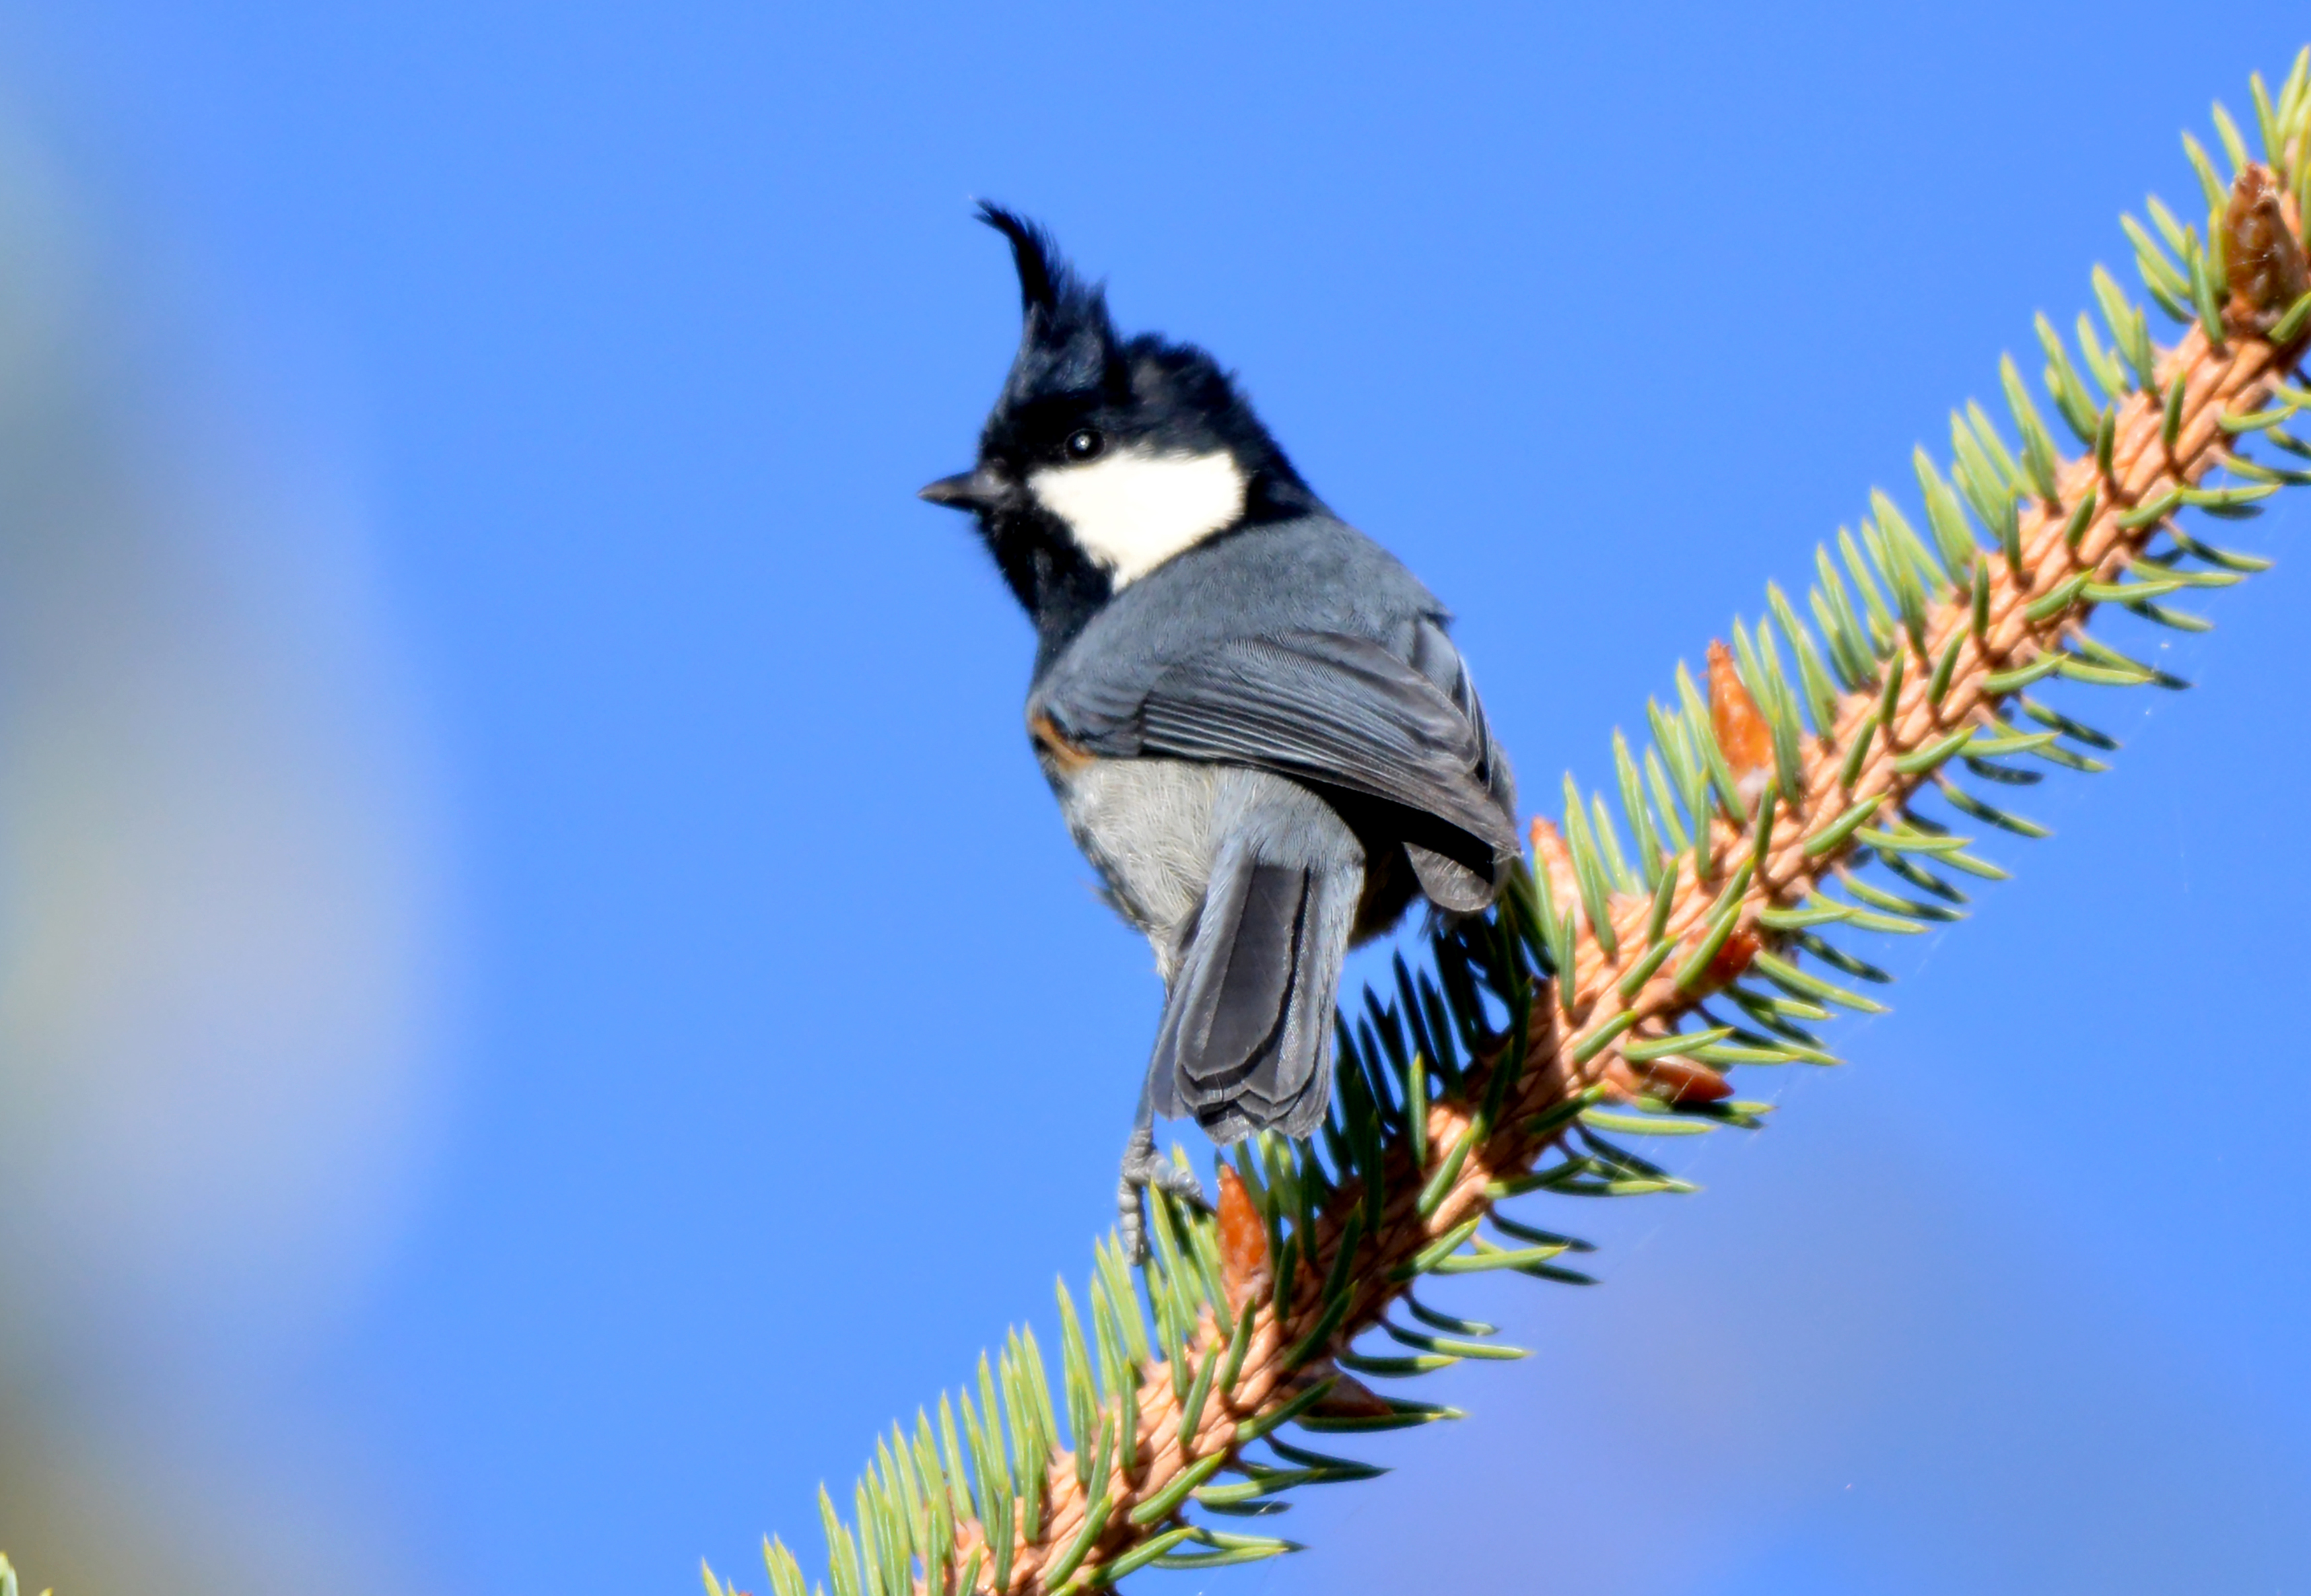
(1257,728)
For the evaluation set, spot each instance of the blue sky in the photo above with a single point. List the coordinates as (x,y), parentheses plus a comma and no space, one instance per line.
(780,1055)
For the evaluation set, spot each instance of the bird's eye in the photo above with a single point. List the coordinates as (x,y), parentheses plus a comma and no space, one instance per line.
(1083,444)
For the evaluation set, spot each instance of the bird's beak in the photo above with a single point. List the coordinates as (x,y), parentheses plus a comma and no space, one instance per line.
(967,490)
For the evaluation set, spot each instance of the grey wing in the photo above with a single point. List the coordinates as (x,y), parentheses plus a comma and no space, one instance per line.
(1449,882)
(1345,713)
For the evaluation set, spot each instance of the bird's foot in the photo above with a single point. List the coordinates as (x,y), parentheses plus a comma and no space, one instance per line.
(1144,1167)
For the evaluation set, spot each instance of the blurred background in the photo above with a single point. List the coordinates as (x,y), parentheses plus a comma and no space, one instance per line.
(543,1000)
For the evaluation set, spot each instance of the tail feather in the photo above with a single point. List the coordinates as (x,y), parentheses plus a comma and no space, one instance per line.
(1245,1040)
(1289,1090)
(1249,990)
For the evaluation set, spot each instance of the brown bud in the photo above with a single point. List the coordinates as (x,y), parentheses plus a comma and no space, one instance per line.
(1741,732)
(2262,253)
(1733,956)
(1550,852)
(1349,1398)
(1680,1081)
(1243,1243)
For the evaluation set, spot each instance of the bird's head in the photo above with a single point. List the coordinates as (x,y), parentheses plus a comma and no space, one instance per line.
(1104,456)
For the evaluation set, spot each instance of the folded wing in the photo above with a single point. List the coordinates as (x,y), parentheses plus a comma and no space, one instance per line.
(1340,711)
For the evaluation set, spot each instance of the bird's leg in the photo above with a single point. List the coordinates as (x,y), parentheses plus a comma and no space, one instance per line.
(1144,1167)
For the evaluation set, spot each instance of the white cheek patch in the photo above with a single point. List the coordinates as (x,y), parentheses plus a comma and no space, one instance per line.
(1132,509)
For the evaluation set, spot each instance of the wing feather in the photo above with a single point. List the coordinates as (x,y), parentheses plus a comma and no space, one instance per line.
(1333,708)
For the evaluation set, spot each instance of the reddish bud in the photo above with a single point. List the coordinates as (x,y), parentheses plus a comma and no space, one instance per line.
(1243,1243)
(1680,1081)
(1741,731)
(2260,253)
(1550,854)
(1741,946)
(1349,1398)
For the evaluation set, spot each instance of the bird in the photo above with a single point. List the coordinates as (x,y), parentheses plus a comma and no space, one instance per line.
(1253,717)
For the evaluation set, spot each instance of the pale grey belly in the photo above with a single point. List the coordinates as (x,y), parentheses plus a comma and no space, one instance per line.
(1151,827)
(1145,824)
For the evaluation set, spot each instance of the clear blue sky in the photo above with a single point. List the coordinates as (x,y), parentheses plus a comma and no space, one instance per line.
(788,1053)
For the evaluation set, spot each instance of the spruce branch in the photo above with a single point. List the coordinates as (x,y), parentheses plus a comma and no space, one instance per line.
(1662,937)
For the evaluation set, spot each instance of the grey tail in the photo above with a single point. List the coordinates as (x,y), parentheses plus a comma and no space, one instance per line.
(1246,1039)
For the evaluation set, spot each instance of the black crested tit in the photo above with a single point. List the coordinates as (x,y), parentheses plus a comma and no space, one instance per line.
(1258,730)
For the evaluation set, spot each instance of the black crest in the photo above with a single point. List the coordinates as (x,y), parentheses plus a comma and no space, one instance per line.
(1036,256)
(1072,375)
(1068,343)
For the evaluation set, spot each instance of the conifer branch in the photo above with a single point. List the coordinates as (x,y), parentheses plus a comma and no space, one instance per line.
(1615,985)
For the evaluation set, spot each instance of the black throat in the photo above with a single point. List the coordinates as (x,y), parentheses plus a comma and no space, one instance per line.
(1054,582)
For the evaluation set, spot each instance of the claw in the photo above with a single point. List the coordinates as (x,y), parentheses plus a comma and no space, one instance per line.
(1143,1168)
